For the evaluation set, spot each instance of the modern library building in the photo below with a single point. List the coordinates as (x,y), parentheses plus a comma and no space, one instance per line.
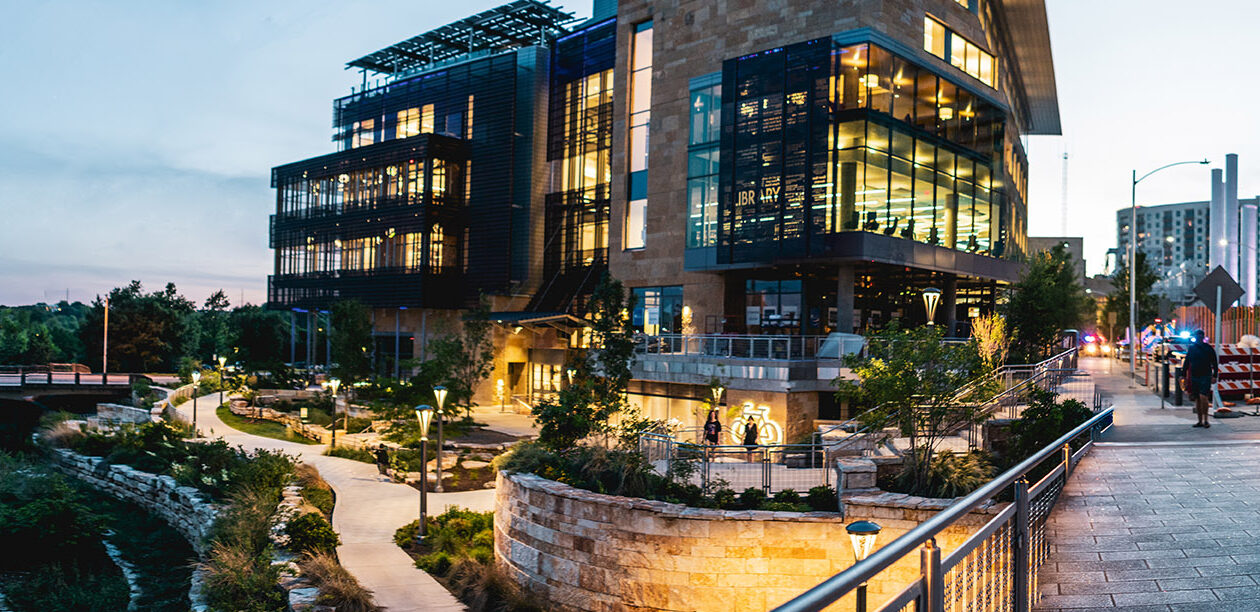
(761,175)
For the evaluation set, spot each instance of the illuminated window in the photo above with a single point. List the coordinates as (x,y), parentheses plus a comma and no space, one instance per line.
(408,123)
(959,52)
(702,165)
(364,133)
(468,124)
(437,247)
(636,224)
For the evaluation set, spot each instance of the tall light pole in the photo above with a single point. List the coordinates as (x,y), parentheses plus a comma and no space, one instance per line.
(222,363)
(333,384)
(424,414)
(862,534)
(196,377)
(1133,341)
(439,394)
(105,344)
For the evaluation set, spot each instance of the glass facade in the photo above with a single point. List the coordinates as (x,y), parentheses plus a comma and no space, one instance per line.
(580,149)
(825,139)
(703,153)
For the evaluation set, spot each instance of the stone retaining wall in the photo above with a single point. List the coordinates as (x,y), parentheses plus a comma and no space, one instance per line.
(579,550)
(187,510)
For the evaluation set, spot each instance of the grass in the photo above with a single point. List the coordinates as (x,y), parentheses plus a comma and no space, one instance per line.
(258,427)
(337,587)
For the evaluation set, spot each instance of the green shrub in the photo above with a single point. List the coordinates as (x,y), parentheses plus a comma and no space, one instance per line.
(322,499)
(752,498)
(65,588)
(787,496)
(822,499)
(406,535)
(950,474)
(436,563)
(724,499)
(346,452)
(241,579)
(311,533)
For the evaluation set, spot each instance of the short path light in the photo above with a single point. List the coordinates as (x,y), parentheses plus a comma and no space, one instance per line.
(931,297)
(424,414)
(439,393)
(863,535)
(196,378)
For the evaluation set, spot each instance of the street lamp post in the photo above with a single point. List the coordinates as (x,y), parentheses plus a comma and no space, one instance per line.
(1133,342)
(863,535)
(424,414)
(931,297)
(333,384)
(196,377)
(222,363)
(439,394)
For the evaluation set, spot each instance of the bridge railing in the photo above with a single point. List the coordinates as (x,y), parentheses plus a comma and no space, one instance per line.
(24,376)
(997,567)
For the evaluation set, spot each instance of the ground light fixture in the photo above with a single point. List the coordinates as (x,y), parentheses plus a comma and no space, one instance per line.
(424,414)
(196,378)
(439,394)
(931,297)
(863,535)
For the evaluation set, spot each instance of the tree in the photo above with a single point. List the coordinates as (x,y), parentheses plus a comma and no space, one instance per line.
(351,339)
(461,361)
(909,380)
(601,373)
(1147,302)
(1047,299)
(212,319)
(259,337)
(147,332)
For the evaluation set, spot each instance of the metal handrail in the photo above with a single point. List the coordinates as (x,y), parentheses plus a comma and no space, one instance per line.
(841,584)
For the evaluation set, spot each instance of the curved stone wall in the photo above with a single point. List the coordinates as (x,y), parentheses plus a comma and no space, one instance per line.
(185,509)
(579,550)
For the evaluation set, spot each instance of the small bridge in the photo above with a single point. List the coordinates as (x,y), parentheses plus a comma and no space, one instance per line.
(21,382)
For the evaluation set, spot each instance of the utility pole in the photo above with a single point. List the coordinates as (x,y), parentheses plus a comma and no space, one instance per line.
(105,342)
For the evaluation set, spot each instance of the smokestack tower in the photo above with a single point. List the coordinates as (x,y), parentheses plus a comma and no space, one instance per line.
(1216,224)
(1231,215)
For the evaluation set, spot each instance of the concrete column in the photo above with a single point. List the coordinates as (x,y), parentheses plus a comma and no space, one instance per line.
(949,301)
(1247,253)
(1216,222)
(1231,214)
(951,220)
(844,300)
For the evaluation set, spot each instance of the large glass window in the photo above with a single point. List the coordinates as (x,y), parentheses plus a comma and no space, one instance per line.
(702,165)
(958,51)
(658,310)
(636,224)
(640,118)
(772,306)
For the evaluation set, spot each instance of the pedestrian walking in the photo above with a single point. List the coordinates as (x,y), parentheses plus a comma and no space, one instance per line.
(712,428)
(1202,371)
(382,459)
(750,438)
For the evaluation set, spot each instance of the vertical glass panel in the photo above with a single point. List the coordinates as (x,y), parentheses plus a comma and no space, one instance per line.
(877,137)
(925,101)
(900,199)
(925,221)
(426,119)
(640,91)
(850,192)
(973,60)
(946,113)
(878,80)
(851,134)
(642,45)
(852,69)
(902,145)
(966,135)
(636,224)
(638,148)
(986,69)
(874,195)
(933,37)
(903,88)
(967,238)
(957,51)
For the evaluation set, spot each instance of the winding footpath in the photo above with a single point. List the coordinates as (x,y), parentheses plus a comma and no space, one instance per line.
(369,510)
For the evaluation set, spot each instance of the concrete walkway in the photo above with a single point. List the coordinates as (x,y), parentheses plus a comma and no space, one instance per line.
(369,510)
(1160,515)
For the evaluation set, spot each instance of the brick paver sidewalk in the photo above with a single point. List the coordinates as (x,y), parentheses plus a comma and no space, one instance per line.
(1158,526)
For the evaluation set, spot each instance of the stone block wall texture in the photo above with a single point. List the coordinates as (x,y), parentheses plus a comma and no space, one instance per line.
(579,550)
(187,510)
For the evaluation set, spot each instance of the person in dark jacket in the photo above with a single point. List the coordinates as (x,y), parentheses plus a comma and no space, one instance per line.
(382,459)
(1202,370)
(750,437)
(712,428)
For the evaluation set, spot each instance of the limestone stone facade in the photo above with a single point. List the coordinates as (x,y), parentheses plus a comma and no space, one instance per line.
(579,550)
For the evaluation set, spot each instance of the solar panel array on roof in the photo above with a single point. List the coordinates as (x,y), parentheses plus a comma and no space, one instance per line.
(517,24)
